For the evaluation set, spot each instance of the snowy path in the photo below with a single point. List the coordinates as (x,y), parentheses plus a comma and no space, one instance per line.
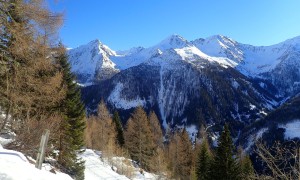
(95,169)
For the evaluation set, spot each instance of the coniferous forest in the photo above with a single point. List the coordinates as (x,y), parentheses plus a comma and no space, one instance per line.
(38,91)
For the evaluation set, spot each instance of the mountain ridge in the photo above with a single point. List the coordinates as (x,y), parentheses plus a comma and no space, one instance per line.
(220,79)
(250,60)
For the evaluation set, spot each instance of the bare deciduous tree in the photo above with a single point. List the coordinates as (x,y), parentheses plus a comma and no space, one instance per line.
(283,161)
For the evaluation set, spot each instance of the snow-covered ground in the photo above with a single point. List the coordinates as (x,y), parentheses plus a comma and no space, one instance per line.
(99,168)
(14,166)
(96,169)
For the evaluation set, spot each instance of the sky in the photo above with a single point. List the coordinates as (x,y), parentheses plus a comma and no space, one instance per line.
(123,24)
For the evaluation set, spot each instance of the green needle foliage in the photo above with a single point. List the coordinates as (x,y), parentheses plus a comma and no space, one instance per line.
(119,129)
(203,166)
(225,165)
(72,138)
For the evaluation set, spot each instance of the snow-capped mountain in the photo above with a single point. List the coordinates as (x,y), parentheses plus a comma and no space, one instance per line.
(210,80)
(92,62)
(279,63)
(95,61)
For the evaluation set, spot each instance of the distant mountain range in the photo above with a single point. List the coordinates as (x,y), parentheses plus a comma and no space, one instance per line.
(187,83)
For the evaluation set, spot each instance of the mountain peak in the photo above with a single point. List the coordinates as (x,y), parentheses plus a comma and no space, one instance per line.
(219,38)
(97,46)
(172,42)
(95,42)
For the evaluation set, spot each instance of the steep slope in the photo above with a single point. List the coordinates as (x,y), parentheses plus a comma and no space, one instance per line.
(184,88)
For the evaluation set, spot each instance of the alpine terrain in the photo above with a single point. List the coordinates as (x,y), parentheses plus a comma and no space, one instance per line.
(187,83)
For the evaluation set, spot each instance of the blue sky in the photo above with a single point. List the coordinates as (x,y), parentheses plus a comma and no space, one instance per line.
(122,24)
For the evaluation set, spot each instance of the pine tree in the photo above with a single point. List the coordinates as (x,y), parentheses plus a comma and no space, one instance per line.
(204,160)
(72,139)
(224,164)
(138,138)
(119,129)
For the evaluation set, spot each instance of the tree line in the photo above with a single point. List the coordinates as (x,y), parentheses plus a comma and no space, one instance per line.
(169,154)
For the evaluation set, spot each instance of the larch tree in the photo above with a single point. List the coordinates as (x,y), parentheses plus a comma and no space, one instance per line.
(180,155)
(108,129)
(29,76)
(158,162)
(92,133)
(185,154)
(39,89)
(101,132)
(139,140)
(156,130)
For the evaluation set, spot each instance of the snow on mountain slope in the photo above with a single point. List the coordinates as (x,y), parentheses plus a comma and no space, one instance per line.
(94,59)
(220,46)
(252,60)
(119,102)
(90,60)
(278,64)
(137,56)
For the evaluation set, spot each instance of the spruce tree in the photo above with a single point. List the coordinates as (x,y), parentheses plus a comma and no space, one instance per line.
(72,139)
(119,129)
(225,165)
(204,160)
